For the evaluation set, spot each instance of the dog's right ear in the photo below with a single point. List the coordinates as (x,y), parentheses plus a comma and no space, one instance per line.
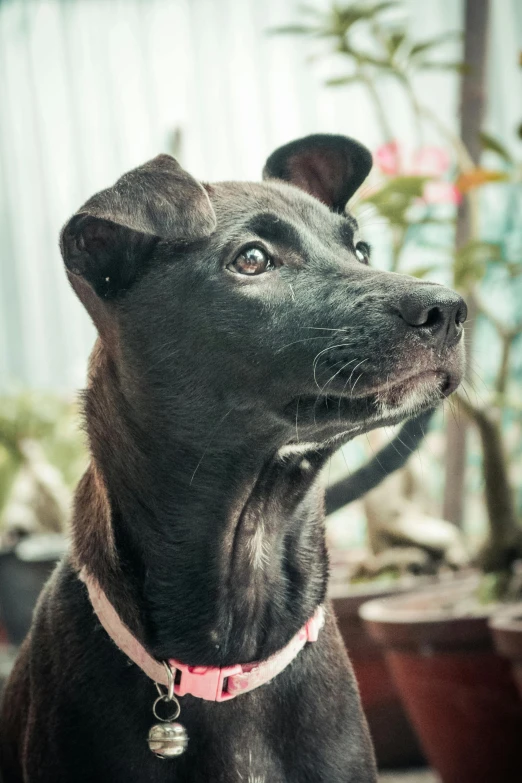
(108,243)
(326,166)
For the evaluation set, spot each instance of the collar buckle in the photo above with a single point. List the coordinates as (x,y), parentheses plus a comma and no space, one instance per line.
(205,682)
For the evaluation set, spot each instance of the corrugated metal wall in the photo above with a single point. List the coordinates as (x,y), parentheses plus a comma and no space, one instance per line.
(91,88)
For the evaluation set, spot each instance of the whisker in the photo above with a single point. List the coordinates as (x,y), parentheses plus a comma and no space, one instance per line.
(354,369)
(374,454)
(303,340)
(356,382)
(222,419)
(325,350)
(346,364)
(327,328)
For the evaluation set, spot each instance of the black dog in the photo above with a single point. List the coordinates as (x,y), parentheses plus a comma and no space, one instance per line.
(243,338)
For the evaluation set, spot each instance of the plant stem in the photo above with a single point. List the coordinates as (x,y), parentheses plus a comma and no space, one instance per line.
(504,543)
(464,159)
(507,336)
(417,111)
(503,370)
(385,127)
(398,236)
(468,149)
(11,445)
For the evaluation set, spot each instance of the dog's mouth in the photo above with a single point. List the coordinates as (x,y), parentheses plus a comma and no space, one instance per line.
(391,400)
(395,393)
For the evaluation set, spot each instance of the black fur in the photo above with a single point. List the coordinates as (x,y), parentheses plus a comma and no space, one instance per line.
(199,515)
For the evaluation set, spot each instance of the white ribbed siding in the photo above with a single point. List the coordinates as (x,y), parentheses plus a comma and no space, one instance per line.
(91,88)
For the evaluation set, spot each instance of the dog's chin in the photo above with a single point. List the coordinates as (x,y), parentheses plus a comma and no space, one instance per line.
(386,403)
(410,395)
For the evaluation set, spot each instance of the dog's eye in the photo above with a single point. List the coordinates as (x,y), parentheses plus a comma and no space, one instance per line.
(252,261)
(362,251)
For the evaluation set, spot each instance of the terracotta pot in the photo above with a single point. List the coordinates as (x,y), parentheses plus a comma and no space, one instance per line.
(394,739)
(459,693)
(506,627)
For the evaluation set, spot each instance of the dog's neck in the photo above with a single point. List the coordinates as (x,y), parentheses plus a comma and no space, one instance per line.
(219,545)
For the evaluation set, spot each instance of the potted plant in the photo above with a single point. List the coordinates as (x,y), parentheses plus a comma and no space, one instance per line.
(506,628)
(389,571)
(459,694)
(458,691)
(411,560)
(41,456)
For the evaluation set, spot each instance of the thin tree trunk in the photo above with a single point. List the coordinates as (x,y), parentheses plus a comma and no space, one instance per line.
(472,103)
(504,543)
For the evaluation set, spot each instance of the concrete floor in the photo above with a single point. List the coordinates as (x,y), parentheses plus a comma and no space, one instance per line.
(411,776)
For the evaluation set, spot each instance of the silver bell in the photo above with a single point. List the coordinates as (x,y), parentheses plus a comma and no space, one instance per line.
(167,740)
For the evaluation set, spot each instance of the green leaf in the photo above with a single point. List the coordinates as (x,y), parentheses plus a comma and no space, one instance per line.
(477,178)
(357,12)
(394,199)
(341,81)
(494,145)
(394,41)
(471,259)
(432,43)
(46,418)
(493,587)
(409,186)
(514,269)
(444,66)
(365,58)
(293,29)
(423,270)
(339,20)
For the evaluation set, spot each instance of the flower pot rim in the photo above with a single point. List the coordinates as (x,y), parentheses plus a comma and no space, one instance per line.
(340,590)
(509,618)
(397,609)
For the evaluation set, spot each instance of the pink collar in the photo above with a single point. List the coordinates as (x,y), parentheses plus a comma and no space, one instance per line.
(206,682)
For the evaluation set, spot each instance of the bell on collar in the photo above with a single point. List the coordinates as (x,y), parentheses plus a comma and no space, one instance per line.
(167,740)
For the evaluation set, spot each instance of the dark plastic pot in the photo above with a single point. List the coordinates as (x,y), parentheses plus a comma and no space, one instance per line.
(24,569)
(459,693)
(506,628)
(394,739)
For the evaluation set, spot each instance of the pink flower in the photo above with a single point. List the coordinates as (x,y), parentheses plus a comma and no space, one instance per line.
(394,160)
(441,193)
(387,158)
(430,161)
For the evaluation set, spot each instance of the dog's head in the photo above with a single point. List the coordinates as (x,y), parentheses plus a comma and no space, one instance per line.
(260,296)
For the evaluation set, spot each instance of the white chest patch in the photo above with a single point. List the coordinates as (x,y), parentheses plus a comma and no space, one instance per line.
(248,776)
(258,546)
(413,402)
(296,449)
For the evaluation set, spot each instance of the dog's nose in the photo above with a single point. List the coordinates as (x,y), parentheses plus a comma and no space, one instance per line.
(435,311)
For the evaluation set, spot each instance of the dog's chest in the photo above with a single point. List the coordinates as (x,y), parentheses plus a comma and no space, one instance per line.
(253,766)
(244,766)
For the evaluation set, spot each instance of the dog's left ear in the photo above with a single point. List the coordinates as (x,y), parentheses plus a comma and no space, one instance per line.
(108,243)
(329,167)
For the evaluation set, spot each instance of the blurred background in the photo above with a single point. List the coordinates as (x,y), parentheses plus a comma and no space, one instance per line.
(92,88)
